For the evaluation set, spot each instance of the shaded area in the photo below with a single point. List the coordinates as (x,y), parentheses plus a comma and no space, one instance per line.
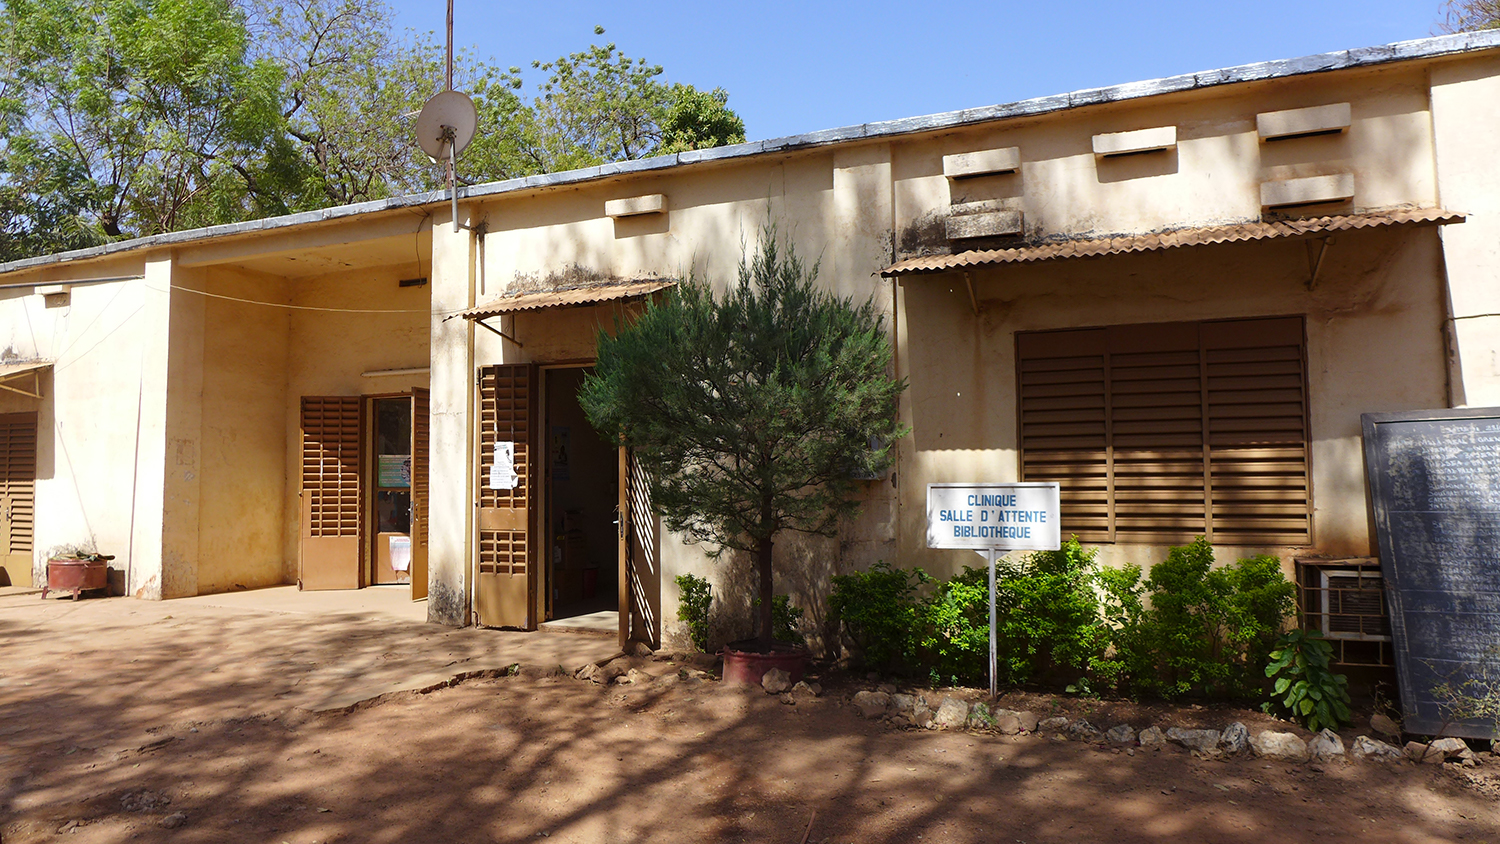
(106,699)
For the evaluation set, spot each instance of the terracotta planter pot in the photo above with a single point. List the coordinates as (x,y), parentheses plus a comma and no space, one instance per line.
(76,576)
(748,667)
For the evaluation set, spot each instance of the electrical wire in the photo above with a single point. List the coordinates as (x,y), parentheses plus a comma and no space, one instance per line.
(307,307)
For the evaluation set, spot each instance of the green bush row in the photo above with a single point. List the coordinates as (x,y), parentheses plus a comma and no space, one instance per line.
(1186,628)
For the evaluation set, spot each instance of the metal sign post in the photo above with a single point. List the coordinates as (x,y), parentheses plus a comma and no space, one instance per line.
(994,519)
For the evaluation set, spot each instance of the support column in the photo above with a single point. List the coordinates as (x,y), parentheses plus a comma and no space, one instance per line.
(451,469)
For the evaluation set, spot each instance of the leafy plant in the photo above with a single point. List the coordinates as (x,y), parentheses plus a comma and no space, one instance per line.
(784,619)
(693,607)
(753,411)
(1307,688)
(878,610)
(953,626)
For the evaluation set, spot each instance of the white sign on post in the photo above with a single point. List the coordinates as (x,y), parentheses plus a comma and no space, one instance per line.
(993,519)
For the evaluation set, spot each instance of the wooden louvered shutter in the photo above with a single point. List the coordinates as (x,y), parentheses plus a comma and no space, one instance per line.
(420,444)
(331,502)
(505,588)
(1160,433)
(1256,408)
(17,497)
(1156,433)
(1064,426)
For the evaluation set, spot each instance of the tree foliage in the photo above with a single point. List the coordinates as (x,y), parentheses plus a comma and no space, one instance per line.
(1469,15)
(122,118)
(752,411)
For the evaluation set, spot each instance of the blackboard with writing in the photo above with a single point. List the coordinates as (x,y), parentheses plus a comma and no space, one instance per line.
(1434,480)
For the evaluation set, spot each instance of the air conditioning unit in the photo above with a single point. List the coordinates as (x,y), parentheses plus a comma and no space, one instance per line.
(1353,605)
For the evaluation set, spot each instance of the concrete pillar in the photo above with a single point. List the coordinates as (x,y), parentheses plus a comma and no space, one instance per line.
(1465,127)
(451,513)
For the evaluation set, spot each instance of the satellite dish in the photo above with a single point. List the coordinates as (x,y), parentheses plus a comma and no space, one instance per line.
(445,126)
(449,115)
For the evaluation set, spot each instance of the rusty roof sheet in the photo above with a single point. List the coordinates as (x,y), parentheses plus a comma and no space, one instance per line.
(569,297)
(1202,236)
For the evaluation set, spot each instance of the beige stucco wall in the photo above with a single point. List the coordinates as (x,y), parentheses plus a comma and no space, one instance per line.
(371,324)
(1466,123)
(95,457)
(1374,329)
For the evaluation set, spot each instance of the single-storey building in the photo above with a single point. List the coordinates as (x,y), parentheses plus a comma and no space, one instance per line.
(1174,297)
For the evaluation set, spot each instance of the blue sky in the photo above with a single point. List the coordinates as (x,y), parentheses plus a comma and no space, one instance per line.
(793,67)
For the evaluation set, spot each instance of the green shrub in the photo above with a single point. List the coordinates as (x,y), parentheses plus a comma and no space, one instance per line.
(784,618)
(1048,615)
(693,607)
(878,610)
(1191,628)
(953,627)
(1307,688)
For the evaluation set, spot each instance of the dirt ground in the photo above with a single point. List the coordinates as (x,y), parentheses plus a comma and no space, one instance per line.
(118,716)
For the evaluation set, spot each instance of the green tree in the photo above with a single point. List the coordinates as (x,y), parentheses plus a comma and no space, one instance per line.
(699,120)
(753,411)
(149,107)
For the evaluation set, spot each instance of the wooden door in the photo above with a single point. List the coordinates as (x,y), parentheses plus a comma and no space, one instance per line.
(505,588)
(640,557)
(17,497)
(420,408)
(331,503)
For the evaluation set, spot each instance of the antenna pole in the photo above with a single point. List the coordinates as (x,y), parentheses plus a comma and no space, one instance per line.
(450,45)
(452,171)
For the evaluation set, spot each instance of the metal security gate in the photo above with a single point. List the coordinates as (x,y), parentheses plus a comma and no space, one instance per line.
(17,497)
(505,588)
(331,502)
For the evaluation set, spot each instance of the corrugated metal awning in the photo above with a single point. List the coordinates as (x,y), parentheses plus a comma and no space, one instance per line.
(1202,236)
(14,374)
(568,297)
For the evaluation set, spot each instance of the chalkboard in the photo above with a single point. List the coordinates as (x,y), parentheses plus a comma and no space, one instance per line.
(1434,481)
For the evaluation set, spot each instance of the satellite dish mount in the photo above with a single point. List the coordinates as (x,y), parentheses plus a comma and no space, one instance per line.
(446,125)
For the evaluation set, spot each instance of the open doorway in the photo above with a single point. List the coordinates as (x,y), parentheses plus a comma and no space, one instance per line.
(582,491)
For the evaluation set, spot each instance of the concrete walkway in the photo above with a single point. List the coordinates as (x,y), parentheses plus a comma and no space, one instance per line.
(127,668)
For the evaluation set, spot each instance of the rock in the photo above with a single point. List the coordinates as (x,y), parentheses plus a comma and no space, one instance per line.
(1120,734)
(541,670)
(1057,723)
(586,671)
(922,716)
(1235,738)
(872,704)
(173,820)
(1365,747)
(903,704)
(1274,745)
(775,681)
(1418,751)
(1152,737)
(1082,730)
(888,688)
(1453,748)
(1385,725)
(704,662)
(1028,721)
(637,649)
(679,656)
(980,717)
(1199,740)
(637,676)
(1007,723)
(143,801)
(952,714)
(1326,746)
(805,688)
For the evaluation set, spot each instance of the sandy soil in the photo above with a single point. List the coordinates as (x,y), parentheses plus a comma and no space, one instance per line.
(529,757)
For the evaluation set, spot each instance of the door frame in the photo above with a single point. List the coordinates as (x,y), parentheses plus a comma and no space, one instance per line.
(369,472)
(544,482)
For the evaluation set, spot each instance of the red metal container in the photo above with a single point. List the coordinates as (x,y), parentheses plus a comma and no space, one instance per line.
(749,667)
(76,576)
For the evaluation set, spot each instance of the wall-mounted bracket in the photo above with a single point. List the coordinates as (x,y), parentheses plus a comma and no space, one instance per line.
(1317,249)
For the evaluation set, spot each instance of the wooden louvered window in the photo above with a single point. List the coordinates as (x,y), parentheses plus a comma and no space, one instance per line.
(17,484)
(1160,433)
(330,465)
(505,410)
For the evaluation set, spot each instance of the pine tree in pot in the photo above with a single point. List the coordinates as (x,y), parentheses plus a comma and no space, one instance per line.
(752,410)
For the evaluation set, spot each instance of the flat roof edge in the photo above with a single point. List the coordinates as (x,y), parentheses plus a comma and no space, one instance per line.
(1422,48)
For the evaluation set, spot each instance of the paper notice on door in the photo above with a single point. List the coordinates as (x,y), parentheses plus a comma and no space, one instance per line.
(503,469)
(400,553)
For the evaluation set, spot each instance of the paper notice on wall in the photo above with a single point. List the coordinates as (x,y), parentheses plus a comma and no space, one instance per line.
(400,553)
(503,469)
